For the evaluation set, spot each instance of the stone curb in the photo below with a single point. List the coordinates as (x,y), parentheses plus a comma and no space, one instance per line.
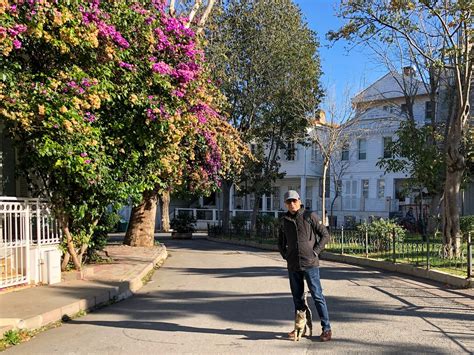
(439,276)
(115,293)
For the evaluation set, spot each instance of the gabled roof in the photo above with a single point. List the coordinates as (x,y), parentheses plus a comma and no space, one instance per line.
(390,86)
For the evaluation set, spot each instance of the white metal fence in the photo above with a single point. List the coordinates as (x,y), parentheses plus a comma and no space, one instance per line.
(24,224)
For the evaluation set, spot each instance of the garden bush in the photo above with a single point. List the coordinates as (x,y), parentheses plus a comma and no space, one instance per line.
(381,232)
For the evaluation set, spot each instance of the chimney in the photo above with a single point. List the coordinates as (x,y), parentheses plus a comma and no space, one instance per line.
(408,71)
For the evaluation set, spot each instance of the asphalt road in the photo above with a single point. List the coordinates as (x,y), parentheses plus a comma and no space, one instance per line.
(211,298)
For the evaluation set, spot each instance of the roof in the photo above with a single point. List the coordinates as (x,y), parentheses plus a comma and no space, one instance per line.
(390,86)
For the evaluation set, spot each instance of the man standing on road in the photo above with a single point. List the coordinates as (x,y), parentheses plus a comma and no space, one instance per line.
(302,238)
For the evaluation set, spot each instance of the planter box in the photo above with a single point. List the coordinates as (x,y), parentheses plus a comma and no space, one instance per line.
(183,235)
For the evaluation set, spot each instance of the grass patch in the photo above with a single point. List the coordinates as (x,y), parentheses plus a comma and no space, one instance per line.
(17,336)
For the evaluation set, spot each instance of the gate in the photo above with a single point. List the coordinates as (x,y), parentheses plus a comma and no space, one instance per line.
(24,224)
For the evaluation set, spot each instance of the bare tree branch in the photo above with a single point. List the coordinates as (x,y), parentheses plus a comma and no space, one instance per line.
(204,16)
(193,12)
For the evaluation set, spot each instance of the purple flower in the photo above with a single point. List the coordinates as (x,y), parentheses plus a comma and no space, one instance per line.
(20,28)
(184,73)
(178,93)
(87,161)
(161,68)
(83,154)
(127,66)
(89,117)
(162,39)
(149,20)
(16,44)
(159,4)
(150,114)
(86,83)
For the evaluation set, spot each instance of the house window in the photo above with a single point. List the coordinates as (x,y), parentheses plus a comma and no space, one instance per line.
(259,201)
(381,188)
(350,199)
(327,186)
(428,112)
(387,152)
(404,109)
(291,151)
(365,188)
(362,147)
(315,152)
(339,186)
(345,152)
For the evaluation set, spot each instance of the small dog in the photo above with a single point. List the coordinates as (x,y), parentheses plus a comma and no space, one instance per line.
(303,321)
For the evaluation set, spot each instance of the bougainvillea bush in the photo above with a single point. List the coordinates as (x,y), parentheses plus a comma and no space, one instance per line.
(106,100)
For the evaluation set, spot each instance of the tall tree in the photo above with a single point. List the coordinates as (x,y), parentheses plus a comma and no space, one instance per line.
(413,22)
(332,132)
(106,101)
(192,14)
(423,162)
(267,60)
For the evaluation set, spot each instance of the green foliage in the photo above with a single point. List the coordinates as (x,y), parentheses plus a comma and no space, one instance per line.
(239,222)
(429,32)
(467,225)
(266,59)
(108,223)
(106,100)
(12,337)
(411,154)
(381,232)
(183,223)
(265,222)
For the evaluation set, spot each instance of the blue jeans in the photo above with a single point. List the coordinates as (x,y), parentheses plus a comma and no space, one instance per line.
(313,281)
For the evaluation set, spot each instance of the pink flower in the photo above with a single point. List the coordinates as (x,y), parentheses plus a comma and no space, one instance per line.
(178,93)
(184,73)
(126,66)
(16,44)
(83,154)
(161,67)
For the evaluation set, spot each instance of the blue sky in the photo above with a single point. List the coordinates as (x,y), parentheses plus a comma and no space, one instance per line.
(354,69)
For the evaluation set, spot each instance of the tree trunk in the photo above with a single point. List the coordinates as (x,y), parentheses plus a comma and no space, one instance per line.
(225,217)
(165,211)
(432,218)
(141,227)
(253,221)
(71,250)
(332,209)
(455,165)
(323,202)
(65,261)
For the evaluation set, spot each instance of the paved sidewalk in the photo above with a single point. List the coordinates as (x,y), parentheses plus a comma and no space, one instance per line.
(218,298)
(34,307)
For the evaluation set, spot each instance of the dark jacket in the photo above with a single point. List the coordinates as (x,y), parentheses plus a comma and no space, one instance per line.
(299,242)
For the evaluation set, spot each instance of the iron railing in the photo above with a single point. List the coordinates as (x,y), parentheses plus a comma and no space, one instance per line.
(428,253)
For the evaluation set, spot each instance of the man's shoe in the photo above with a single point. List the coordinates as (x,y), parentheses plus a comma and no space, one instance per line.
(326,335)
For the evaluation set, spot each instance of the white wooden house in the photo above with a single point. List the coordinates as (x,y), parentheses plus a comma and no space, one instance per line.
(367,191)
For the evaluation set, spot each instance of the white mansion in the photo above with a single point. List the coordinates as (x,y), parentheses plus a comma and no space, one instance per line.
(365,190)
